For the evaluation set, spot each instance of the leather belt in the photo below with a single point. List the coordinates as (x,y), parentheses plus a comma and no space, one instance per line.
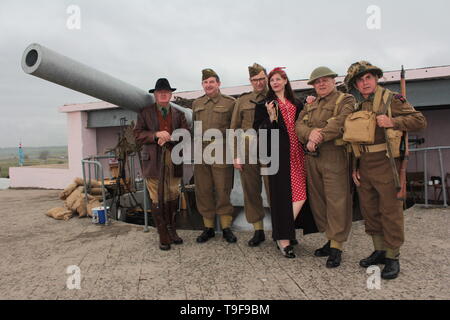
(372,147)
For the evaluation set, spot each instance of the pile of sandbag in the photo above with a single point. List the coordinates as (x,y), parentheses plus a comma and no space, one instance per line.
(74,200)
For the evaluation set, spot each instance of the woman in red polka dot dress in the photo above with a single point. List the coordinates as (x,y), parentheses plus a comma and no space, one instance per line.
(288,186)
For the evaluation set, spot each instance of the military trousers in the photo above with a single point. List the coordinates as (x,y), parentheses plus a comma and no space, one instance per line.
(251,180)
(213,184)
(329,191)
(382,212)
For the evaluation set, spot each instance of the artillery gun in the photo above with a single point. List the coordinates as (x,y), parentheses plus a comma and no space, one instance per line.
(44,63)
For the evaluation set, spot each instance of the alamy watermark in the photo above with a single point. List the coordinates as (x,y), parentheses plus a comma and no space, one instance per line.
(213,147)
(74,19)
(374,280)
(374,20)
(74,280)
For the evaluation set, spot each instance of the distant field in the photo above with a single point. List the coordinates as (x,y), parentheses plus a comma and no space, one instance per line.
(33,156)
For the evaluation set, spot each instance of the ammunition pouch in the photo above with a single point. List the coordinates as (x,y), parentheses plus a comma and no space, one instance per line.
(395,139)
(359,127)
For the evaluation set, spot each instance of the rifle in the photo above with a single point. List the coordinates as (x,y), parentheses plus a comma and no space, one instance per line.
(404,148)
(389,148)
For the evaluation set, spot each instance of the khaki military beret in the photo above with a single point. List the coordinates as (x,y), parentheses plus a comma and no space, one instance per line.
(208,73)
(255,69)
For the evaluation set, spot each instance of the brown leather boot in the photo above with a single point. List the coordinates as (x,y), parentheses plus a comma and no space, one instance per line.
(161,226)
(171,213)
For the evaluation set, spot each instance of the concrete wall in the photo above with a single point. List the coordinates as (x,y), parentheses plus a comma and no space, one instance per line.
(437,133)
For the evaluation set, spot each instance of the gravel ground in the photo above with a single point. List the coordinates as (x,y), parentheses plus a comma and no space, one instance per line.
(122,262)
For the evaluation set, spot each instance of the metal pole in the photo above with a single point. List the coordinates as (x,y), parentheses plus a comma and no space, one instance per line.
(443,182)
(133,172)
(96,170)
(425,177)
(84,182)
(97,163)
(145,206)
(89,172)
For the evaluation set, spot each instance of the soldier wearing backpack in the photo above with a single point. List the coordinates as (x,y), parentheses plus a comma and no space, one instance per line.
(375,132)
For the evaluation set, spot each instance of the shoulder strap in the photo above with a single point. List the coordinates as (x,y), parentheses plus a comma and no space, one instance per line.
(377,100)
(387,100)
(338,101)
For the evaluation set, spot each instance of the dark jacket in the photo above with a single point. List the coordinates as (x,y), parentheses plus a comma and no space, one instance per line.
(145,132)
(279,184)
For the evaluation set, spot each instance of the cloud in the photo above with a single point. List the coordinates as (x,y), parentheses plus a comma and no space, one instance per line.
(140,41)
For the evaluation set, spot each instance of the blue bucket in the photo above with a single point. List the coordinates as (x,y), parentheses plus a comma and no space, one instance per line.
(99,215)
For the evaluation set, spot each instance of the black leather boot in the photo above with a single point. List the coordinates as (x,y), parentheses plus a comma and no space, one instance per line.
(207,234)
(258,237)
(228,235)
(324,251)
(391,269)
(171,215)
(334,259)
(377,257)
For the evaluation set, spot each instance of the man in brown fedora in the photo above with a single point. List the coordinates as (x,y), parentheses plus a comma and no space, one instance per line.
(243,116)
(153,129)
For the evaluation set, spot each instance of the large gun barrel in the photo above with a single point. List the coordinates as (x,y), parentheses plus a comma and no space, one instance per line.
(49,65)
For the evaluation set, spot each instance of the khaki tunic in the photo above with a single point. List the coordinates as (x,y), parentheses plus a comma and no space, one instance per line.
(213,182)
(382,212)
(328,174)
(243,116)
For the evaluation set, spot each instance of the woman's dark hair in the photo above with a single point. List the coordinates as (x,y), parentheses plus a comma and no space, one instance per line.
(288,92)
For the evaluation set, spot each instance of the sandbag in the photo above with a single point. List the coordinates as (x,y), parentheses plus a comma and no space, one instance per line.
(73,197)
(81,207)
(60,213)
(67,191)
(96,191)
(98,197)
(93,183)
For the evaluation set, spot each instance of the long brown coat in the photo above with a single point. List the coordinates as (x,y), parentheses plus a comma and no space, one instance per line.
(145,132)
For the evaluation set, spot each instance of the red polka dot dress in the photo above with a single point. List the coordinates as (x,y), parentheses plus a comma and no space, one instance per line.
(297,156)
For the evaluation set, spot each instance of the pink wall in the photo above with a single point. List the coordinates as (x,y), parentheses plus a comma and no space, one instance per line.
(433,137)
(47,178)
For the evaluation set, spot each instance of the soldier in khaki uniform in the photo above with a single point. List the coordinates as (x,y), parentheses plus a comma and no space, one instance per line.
(213,182)
(320,127)
(243,116)
(373,174)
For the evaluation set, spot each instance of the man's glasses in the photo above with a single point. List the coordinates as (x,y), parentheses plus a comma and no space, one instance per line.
(257,80)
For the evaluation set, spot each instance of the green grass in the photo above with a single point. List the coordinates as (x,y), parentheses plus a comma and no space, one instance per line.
(9,157)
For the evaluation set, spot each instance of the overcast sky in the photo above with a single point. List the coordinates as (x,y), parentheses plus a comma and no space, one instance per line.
(140,41)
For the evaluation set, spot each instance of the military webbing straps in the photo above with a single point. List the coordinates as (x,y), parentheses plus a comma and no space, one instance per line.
(338,101)
(338,141)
